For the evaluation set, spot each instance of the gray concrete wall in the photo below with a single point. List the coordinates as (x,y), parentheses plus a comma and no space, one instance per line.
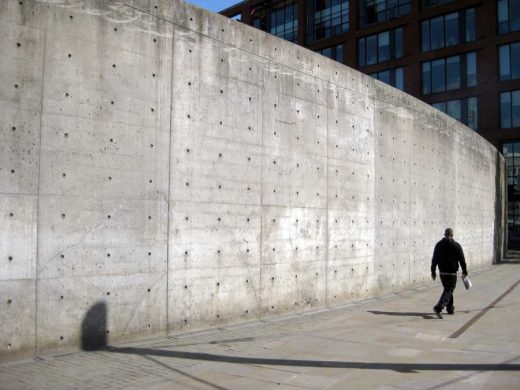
(163,168)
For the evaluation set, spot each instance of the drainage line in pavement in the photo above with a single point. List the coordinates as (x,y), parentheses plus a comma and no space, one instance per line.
(465,327)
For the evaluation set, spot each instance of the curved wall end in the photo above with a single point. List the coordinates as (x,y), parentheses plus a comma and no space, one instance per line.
(164,168)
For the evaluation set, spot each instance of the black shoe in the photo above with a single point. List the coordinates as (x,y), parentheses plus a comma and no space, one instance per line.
(451,310)
(437,312)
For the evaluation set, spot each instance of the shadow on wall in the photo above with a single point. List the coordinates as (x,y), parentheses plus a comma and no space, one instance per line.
(94,328)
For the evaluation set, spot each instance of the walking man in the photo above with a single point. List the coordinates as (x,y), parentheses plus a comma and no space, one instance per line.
(447,255)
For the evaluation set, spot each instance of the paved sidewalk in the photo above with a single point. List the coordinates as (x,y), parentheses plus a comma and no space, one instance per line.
(394,342)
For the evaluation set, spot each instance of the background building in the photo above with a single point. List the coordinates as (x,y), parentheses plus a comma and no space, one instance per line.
(460,56)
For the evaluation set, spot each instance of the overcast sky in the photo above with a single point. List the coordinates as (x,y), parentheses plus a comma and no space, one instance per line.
(214,5)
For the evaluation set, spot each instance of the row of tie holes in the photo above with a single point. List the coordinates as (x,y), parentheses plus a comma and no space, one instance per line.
(189,83)
(18,44)
(191,19)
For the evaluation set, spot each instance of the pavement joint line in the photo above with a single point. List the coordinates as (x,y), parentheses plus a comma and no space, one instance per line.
(475,318)
(182,373)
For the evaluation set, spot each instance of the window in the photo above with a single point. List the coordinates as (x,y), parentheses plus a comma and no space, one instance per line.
(510,109)
(471,32)
(447,74)
(280,20)
(508,16)
(334,53)
(463,110)
(327,18)
(509,58)
(259,17)
(448,30)
(433,3)
(237,17)
(380,47)
(511,153)
(375,11)
(393,77)
(284,20)
(471,69)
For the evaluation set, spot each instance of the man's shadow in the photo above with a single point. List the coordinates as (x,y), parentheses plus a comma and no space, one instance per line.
(94,328)
(426,316)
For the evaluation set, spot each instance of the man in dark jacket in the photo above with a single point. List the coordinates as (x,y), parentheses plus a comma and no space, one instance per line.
(447,255)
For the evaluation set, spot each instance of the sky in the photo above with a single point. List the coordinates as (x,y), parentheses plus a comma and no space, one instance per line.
(213,5)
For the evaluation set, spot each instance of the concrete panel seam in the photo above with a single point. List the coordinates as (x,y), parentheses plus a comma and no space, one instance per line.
(169,190)
(259,302)
(327,237)
(36,280)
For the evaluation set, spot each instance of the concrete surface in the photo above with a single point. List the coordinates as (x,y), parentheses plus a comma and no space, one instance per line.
(164,168)
(391,342)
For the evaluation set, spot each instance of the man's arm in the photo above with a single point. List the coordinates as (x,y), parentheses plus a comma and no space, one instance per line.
(462,260)
(435,261)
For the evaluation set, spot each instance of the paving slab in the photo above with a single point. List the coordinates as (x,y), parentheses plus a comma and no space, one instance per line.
(390,342)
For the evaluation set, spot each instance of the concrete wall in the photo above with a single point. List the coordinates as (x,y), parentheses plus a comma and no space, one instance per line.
(180,170)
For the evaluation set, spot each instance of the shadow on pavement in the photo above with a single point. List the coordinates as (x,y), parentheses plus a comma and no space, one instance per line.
(226,341)
(426,316)
(196,379)
(399,367)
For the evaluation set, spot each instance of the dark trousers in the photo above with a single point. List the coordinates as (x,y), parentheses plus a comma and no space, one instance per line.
(449,282)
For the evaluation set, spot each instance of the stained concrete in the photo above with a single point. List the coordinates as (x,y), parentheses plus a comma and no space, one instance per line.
(185,171)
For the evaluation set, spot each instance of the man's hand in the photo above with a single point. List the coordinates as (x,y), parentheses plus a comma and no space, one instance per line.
(434,275)
(465,273)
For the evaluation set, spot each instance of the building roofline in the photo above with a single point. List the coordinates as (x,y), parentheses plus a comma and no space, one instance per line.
(233,6)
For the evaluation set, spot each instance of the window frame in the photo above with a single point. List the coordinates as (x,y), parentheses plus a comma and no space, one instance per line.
(393,76)
(507,22)
(465,112)
(510,61)
(337,52)
(369,13)
(513,124)
(320,24)
(395,49)
(430,75)
(465,33)
(262,19)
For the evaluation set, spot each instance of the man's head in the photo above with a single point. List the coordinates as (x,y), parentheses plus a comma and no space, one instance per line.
(448,233)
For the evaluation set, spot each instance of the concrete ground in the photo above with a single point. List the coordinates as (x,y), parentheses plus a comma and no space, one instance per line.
(392,342)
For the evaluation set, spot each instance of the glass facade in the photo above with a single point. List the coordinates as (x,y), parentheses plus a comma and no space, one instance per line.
(393,77)
(509,60)
(327,18)
(334,52)
(280,19)
(510,109)
(448,30)
(380,47)
(447,74)
(508,16)
(375,11)
(463,110)
(511,152)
